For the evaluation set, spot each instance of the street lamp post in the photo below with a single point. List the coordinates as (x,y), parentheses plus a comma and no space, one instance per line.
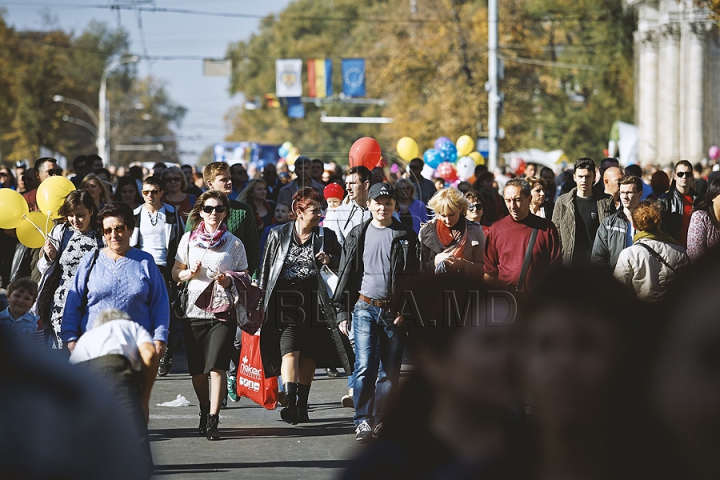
(78,103)
(103,117)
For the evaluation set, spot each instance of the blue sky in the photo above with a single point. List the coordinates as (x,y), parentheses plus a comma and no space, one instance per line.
(166,34)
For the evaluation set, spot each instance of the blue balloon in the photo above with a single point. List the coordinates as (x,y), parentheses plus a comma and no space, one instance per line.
(448,151)
(282,151)
(432,158)
(440,141)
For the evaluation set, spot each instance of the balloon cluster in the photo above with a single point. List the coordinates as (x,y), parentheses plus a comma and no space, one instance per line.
(450,161)
(32,228)
(288,152)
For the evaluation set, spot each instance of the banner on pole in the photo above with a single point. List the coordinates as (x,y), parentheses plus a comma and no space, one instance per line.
(295,108)
(213,67)
(288,77)
(353,74)
(319,77)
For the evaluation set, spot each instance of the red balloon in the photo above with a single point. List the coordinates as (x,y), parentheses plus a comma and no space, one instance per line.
(447,172)
(365,152)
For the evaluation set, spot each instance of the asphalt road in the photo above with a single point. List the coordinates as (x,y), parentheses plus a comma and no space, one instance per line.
(255,442)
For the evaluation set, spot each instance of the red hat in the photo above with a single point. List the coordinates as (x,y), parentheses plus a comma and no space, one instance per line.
(334,190)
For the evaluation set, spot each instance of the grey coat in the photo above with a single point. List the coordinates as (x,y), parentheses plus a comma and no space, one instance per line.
(610,240)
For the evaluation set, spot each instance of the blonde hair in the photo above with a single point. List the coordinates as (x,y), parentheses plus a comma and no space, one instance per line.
(104,195)
(448,200)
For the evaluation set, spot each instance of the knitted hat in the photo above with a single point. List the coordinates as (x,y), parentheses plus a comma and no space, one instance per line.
(334,190)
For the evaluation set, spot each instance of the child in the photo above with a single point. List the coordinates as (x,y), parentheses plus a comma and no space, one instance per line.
(16,320)
(282,216)
(334,194)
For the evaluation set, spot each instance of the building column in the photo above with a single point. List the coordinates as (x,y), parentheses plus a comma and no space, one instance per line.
(647,96)
(694,147)
(669,95)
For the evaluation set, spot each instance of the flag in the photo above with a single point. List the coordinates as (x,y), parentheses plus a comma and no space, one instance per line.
(288,77)
(217,67)
(319,77)
(353,74)
(271,100)
(295,108)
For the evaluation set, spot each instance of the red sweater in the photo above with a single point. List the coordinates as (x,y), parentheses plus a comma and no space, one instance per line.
(507,242)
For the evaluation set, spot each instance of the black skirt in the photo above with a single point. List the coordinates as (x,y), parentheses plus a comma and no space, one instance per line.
(208,344)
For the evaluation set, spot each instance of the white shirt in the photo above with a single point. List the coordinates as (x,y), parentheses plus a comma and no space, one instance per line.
(344,218)
(152,237)
(117,337)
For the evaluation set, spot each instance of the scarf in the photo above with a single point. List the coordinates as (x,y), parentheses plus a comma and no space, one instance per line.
(655,235)
(200,237)
(449,236)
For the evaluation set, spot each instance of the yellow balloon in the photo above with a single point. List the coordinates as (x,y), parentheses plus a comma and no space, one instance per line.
(28,234)
(52,192)
(13,206)
(465,145)
(479,159)
(292,156)
(407,148)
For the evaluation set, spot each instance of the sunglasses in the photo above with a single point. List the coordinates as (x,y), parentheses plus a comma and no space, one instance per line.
(150,192)
(117,230)
(217,208)
(53,172)
(476,206)
(683,174)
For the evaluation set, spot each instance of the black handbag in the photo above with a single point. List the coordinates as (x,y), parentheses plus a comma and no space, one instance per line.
(180,299)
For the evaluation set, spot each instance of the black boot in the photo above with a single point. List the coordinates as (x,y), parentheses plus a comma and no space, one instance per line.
(165,363)
(212,427)
(302,403)
(204,411)
(290,413)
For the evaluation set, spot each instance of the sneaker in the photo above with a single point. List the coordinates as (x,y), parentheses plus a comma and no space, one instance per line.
(165,364)
(377,430)
(332,372)
(363,432)
(347,401)
(231,390)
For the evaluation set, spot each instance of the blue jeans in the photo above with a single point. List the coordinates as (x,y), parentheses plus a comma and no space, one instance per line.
(378,357)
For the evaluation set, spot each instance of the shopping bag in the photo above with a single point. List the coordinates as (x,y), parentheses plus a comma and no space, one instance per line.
(330,279)
(251,381)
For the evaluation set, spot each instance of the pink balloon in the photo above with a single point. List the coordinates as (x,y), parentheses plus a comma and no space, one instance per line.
(714,152)
(447,172)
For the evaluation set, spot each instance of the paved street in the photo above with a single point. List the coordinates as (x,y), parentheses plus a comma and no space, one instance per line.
(255,443)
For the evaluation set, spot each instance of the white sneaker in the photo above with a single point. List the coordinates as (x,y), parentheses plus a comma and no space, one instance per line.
(363,432)
(347,401)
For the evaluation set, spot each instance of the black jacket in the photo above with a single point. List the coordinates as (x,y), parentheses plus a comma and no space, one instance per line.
(672,207)
(276,249)
(404,259)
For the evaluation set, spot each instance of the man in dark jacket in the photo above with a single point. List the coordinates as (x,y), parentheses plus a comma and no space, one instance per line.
(677,203)
(616,231)
(378,258)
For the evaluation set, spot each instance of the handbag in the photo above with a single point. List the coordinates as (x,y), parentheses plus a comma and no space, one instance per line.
(251,380)
(329,278)
(180,299)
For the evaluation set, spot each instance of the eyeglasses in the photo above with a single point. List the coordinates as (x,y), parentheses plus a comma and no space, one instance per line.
(150,192)
(117,230)
(683,174)
(172,179)
(476,206)
(217,208)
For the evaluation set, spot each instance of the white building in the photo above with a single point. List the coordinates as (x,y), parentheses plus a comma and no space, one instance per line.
(677,81)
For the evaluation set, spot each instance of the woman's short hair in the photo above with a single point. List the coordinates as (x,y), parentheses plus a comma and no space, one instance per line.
(448,200)
(404,182)
(176,171)
(533,181)
(104,195)
(247,191)
(647,217)
(304,197)
(194,217)
(78,198)
(118,210)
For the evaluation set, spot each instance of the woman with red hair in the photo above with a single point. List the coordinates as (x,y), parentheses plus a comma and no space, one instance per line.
(300,332)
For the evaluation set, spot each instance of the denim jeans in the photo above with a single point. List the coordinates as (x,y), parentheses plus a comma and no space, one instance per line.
(378,357)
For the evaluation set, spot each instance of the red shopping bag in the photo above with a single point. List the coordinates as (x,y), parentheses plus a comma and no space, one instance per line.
(251,381)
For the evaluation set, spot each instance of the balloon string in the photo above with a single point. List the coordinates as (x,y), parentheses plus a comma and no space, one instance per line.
(36,227)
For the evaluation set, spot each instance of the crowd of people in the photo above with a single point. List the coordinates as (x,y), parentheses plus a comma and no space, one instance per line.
(598,267)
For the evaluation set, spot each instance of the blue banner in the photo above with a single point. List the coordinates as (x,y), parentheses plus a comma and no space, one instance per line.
(295,107)
(353,75)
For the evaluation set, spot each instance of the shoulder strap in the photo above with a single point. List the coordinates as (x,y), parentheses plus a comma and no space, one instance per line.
(87,282)
(656,255)
(526,260)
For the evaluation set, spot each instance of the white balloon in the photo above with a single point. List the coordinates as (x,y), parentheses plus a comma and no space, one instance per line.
(465,167)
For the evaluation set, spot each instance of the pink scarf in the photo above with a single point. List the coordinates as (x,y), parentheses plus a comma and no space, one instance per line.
(203,239)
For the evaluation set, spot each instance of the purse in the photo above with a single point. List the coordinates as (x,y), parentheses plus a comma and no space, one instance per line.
(180,299)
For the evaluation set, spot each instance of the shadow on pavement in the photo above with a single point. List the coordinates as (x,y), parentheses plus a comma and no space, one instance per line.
(224,467)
